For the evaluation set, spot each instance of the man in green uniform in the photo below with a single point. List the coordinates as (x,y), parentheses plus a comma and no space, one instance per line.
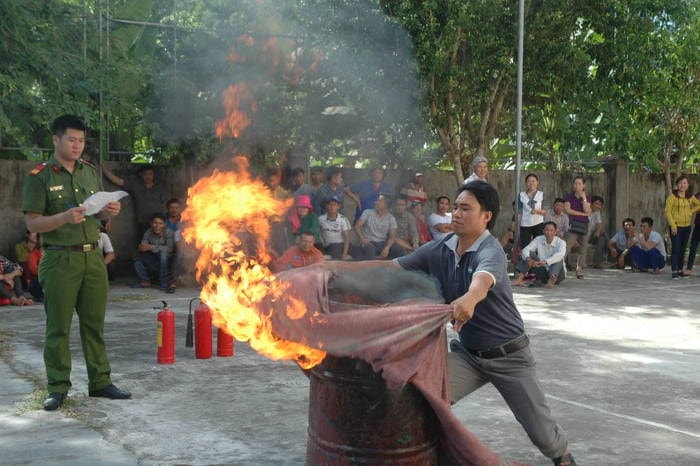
(72,271)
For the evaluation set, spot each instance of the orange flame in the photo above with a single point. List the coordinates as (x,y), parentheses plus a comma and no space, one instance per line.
(238,103)
(227,220)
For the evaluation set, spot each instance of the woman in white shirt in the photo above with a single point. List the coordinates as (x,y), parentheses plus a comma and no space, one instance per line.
(531,211)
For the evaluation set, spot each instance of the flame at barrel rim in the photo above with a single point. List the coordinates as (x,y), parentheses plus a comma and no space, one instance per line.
(227,220)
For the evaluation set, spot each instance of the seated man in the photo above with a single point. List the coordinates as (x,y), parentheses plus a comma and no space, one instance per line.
(335,230)
(559,216)
(620,244)
(406,229)
(154,254)
(649,254)
(300,255)
(376,229)
(544,257)
(173,218)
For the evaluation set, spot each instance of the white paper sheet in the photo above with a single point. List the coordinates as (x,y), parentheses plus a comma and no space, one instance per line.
(97,201)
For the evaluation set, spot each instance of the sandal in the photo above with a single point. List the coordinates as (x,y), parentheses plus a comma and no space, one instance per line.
(579,273)
(566,460)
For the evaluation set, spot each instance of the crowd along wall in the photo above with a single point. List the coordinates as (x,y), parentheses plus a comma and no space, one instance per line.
(626,194)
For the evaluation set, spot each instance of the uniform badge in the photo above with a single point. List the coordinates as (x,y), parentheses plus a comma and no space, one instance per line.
(56,188)
(38,168)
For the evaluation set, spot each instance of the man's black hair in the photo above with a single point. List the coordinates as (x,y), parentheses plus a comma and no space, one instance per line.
(156,215)
(559,199)
(332,172)
(297,171)
(631,220)
(145,167)
(64,122)
(648,220)
(549,222)
(487,197)
(439,198)
(173,200)
(596,199)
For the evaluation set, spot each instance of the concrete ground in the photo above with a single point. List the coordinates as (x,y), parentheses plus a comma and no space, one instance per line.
(618,355)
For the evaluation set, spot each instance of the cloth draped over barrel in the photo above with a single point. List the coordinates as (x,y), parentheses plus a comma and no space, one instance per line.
(404,341)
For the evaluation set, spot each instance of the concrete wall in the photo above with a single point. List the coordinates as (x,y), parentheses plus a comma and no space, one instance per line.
(626,194)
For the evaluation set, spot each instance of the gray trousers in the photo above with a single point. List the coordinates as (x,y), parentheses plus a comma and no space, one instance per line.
(515,378)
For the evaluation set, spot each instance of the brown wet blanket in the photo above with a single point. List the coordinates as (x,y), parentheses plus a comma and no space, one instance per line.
(405,341)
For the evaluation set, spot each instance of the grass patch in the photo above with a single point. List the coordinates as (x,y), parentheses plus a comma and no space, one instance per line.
(35,401)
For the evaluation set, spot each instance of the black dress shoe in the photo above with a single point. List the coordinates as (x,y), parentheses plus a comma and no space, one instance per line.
(111,392)
(54,401)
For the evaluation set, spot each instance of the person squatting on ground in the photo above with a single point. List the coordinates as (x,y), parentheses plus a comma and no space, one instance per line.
(649,254)
(376,230)
(72,271)
(680,206)
(544,257)
(155,253)
(621,243)
(335,230)
(300,255)
(470,266)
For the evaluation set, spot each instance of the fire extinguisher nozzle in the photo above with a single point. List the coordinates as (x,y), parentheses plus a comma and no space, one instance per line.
(189,336)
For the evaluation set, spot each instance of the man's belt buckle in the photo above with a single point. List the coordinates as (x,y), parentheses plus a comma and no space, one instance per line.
(87,247)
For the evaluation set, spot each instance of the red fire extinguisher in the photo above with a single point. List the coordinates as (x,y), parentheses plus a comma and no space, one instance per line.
(202,331)
(166,335)
(224,343)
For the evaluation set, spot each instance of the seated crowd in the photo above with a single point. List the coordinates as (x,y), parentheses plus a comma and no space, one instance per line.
(543,243)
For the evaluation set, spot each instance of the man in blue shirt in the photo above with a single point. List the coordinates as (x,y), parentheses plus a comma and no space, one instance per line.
(492,347)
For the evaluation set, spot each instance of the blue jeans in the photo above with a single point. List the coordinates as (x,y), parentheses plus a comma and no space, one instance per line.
(148,262)
(679,241)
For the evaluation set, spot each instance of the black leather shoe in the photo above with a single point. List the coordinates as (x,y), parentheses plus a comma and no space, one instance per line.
(54,401)
(111,392)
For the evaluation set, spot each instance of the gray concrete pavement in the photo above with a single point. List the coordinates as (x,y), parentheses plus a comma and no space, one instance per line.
(618,355)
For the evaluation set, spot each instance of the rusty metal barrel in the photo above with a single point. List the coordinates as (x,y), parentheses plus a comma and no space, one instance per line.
(354,419)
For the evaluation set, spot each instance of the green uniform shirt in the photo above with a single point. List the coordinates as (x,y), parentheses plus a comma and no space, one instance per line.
(50,189)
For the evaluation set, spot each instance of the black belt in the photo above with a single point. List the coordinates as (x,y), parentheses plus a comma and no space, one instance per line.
(78,247)
(514,345)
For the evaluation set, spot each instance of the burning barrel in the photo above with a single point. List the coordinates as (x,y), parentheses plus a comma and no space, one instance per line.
(353,417)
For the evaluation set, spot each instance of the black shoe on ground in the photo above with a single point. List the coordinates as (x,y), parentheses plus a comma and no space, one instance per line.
(54,401)
(111,392)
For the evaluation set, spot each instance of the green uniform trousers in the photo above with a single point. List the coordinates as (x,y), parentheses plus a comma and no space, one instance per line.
(74,280)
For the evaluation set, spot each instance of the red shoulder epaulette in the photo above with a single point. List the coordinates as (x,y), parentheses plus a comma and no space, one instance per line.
(88,163)
(38,168)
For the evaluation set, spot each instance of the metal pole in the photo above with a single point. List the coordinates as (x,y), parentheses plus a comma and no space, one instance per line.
(519,116)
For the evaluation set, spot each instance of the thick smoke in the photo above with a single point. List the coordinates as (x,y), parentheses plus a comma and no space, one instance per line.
(381,285)
(364,82)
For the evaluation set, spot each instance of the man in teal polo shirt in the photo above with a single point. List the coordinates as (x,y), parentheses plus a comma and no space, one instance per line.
(72,271)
